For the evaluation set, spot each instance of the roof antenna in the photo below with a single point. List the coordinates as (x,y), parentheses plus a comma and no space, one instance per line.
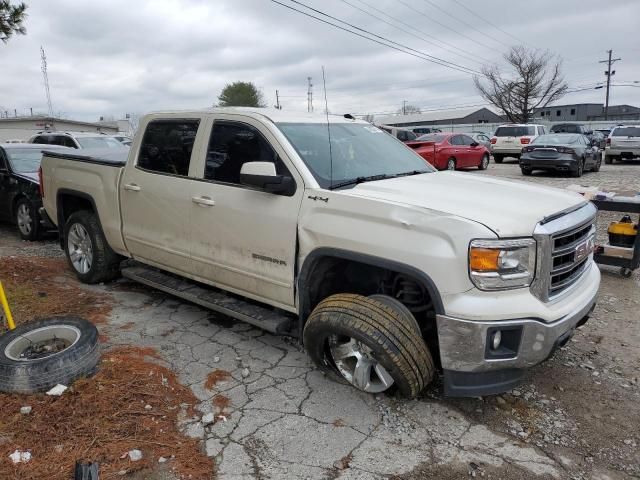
(326,111)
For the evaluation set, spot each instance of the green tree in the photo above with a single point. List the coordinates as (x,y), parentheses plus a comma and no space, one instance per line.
(11,19)
(240,94)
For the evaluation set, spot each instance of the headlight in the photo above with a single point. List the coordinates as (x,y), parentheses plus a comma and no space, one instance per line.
(502,264)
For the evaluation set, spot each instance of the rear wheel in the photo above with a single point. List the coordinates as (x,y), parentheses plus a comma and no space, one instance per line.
(579,169)
(27,219)
(451,164)
(87,251)
(598,164)
(498,158)
(484,162)
(608,159)
(369,343)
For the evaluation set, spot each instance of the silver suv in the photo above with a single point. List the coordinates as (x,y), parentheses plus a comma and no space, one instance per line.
(76,140)
(623,142)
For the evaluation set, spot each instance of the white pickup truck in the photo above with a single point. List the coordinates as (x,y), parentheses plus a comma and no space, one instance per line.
(332,231)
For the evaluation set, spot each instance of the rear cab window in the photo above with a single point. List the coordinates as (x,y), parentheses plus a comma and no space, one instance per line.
(167,146)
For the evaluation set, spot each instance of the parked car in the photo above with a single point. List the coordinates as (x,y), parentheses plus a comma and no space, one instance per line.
(604,131)
(581,129)
(75,140)
(623,142)
(20,199)
(451,151)
(598,139)
(125,140)
(482,139)
(560,152)
(357,246)
(508,140)
(425,130)
(401,134)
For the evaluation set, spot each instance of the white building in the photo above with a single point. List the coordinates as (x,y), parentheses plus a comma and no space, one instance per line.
(21,128)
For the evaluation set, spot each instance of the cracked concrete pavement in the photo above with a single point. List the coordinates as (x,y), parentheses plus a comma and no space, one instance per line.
(276,416)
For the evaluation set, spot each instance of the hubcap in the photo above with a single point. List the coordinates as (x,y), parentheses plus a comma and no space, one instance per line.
(42,342)
(24,219)
(80,248)
(356,363)
(485,161)
(451,165)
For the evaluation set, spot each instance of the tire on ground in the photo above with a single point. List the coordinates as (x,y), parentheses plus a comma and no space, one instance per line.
(498,158)
(106,263)
(38,375)
(394,342)
(34,234)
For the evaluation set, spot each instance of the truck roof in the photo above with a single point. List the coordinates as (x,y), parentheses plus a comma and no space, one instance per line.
(273,114)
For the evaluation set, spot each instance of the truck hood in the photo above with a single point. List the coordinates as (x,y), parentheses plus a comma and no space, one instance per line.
(509,208)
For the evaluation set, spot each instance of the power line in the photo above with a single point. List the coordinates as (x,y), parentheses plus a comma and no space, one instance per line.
(489,22)
(468,25)
(400,47)
(421,36)
(430,18)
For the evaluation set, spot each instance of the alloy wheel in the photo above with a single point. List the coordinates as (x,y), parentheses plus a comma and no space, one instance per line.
(357,365)
(24,219)
(80,248)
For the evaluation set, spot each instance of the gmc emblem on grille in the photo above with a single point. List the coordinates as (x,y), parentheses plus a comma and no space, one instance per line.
(583,250)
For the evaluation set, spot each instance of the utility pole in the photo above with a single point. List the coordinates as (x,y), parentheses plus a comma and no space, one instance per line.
(309,95)
(278,106)
(404,107)
(610,61)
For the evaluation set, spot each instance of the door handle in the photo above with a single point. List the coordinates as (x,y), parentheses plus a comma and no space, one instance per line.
(204,201)
(132,187)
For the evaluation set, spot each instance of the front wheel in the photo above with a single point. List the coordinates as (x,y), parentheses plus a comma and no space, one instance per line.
(451,164)
(27,220)
(369,344)
(87,251)
(608,159)
(598,164)
(484,163)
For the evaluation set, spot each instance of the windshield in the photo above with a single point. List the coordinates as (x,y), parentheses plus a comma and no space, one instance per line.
(514,131)
(357,150)
(98,142)
(432,137)
(566,128)
(25,160)
(555,140)
(626,132)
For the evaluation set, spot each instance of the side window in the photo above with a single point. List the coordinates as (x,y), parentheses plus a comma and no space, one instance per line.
(41,140)
(3,162)
(467,140)
(232,145)
(411,136)
(58,140)
(69,142)
(456,140)
(167,145)
(541,131)
(402,135)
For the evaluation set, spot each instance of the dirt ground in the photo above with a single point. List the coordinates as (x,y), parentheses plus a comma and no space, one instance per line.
(577,416)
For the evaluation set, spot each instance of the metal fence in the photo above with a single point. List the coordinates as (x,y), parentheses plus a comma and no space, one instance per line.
(489,128)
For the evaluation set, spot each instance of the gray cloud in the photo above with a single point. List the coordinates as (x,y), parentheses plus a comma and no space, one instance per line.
(122,56)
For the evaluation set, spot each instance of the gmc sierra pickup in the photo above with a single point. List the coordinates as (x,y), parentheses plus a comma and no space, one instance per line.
(333,231)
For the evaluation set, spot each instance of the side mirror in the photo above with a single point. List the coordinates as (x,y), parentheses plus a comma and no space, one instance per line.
(474,144)
(263,175)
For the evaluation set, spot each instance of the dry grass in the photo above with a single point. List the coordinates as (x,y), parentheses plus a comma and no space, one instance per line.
(44,287)
(102,418)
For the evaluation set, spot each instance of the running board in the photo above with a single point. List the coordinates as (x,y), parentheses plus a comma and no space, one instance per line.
(269,319)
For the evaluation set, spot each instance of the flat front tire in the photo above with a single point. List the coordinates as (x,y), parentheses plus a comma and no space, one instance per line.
(369,343)
(87,251)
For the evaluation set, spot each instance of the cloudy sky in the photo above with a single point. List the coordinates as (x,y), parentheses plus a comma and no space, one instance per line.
(123,56)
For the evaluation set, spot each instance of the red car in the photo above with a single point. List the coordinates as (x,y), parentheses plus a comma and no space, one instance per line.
(451,151)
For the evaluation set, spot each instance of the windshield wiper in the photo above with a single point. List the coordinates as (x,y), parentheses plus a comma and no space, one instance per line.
(357,180)
(372,178)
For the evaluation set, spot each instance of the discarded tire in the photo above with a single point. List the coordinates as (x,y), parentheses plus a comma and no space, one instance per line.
(39,355)
(369,343)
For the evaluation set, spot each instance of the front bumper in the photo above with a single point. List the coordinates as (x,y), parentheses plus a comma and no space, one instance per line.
(472,369)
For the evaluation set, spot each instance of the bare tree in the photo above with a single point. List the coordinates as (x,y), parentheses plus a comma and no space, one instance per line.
(536,81)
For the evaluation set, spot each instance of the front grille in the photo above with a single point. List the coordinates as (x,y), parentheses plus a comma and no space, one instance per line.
(567,264)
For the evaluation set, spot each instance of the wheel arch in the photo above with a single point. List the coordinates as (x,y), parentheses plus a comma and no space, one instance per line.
(322,259)
(14,203)
(69,201)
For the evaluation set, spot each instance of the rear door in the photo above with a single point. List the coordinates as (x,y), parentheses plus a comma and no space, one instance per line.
(155,193)
(460,150)
(245,241)
(472,154)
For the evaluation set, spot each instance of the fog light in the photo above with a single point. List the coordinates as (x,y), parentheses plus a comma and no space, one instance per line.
(496,339)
